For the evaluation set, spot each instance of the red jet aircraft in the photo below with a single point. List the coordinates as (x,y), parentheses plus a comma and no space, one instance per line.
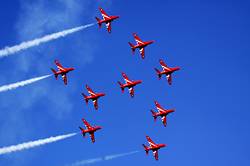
(61,71)
(140,44)
(129,84)
(90,129)
(154,147)
(92,96)
(106,19)
(162,113)
(167,71)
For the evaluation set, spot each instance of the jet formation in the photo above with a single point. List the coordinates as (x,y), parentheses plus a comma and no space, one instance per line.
(130,84)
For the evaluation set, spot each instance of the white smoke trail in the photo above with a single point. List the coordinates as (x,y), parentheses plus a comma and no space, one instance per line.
(32,144)
(25,45)
(21,83)
(99,159)
(110,157)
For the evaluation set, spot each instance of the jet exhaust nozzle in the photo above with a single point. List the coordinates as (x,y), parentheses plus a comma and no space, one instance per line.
(54,71)
(85,98)
(132,47)
(158,73)
(145,148)
(99,22)
(121,86)
(154,115)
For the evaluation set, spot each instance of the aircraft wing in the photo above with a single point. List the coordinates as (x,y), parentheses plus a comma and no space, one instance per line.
(131,91)
(151,143)
(169,78)
(95,104)
(92,136)
(142,52)
(108,26)
(137,39)
(127,80)
(59,66)
(104,14)
(164,120)
(90,91)
(87,125)
(64,77)
(155,152)
(164,66)
(158,106)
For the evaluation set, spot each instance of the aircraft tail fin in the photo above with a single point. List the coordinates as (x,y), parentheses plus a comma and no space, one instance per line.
(154,115)
(158,73)
(145,148)
(82,130)
(85,98)
(54,71)
(98,21)
(121,86)
(132,47)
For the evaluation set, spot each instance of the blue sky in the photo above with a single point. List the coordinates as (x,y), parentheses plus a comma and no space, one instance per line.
(209,40)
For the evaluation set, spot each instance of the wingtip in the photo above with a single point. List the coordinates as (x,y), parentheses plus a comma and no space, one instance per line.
(134,34)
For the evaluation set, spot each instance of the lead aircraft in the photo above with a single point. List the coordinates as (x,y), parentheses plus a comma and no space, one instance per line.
(61,71)
(89,129)
(140,45)
(106,19)
(153,147)
(161,113)
(128,84)
(92,96)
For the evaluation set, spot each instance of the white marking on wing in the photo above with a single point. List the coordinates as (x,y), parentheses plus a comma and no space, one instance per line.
(92,93)
(105,17)
(160,109)
(128,81)
(165,68)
